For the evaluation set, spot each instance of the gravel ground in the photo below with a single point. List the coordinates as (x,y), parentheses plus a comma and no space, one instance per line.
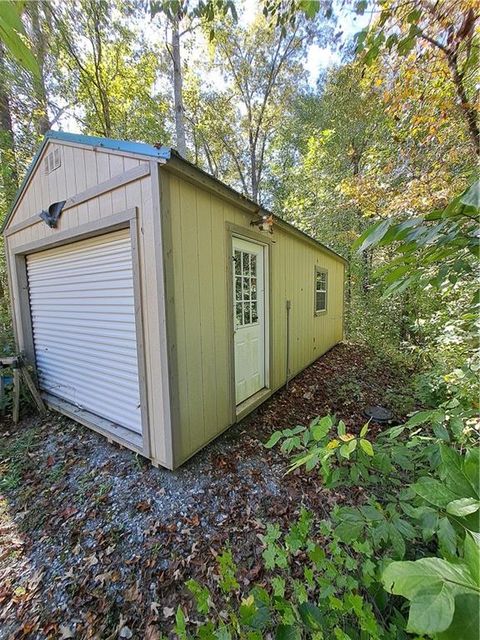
(95,540)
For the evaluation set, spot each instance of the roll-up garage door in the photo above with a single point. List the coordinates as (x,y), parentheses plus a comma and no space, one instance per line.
(83,318)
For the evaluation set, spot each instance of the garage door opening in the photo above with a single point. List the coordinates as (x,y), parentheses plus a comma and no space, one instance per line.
(84,329)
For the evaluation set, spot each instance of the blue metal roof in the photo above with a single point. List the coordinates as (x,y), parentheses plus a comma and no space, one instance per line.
(140,148)
(109,143)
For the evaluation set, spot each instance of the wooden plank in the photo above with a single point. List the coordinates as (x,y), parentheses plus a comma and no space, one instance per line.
(105,427)
(33,390)
(89,194)
(86,230)
(140,337)
(23,319)
(192,288)
(16,395)
(222,323)
(178,351)
(161,224)
(207,270)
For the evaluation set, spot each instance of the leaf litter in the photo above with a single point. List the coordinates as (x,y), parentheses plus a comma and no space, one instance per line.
(97,543)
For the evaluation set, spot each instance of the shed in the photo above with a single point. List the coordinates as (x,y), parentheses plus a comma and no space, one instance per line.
(153,301)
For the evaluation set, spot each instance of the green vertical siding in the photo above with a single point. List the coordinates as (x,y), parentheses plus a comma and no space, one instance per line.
(199,316)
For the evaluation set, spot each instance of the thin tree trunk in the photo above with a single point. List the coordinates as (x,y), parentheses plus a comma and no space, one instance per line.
(8,165)
(253,170)
(467,107)
(178,90)
(43,123)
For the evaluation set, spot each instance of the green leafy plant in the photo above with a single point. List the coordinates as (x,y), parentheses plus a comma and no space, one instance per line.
(314,586)
(338,455)
(444,596)
(13,35)
(431,249)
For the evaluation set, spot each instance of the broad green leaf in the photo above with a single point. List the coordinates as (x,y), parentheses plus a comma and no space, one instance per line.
(274,438)
(349,531)
(287,632)
(471,197)
(420,418)
(396,274)
(309,7)
(431,611)
(405,45)
(311,616)
(405,528)
(372,235)
(440,432)
(394,432)
(471,467)
(360,7)
(11,34)
(447,537)
(434,491)
(360,37)
(364,430)
(457,480)
(471,553)
(258,615)
(341,428)
(180,624)
(347,449)
(428,522)
(466,620)
(201,595)
(372,513)
(409,577)
(396,538)
(366,446)
(463,507)
(348,514)
(319,431)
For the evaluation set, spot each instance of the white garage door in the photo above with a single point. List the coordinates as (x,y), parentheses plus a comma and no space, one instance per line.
(83,317)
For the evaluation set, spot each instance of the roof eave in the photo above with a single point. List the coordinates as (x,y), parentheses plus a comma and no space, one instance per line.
(245,200)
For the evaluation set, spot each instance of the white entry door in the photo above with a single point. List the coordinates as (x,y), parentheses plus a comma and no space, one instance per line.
(249,275)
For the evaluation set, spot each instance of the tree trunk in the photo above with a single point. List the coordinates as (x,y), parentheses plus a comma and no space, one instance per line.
(467,107)
(42,124)
(8,165)
(178,89)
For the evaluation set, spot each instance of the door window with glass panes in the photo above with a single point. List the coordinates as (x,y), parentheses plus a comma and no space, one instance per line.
(246,300)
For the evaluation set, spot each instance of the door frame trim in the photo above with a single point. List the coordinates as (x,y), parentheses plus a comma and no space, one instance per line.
(123,220)
(236,231)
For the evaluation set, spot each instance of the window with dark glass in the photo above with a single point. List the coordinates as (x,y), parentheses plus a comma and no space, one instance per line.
(321,284)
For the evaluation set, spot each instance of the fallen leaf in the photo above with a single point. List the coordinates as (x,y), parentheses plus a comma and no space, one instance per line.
(65,632)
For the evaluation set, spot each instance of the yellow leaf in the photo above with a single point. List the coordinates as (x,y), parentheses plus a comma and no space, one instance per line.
(333,444)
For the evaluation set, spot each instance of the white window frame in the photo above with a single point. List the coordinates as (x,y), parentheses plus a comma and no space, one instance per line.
(320,270)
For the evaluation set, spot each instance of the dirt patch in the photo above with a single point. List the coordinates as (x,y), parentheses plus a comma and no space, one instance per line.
(93,538)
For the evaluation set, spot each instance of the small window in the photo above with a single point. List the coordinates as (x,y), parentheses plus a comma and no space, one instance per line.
(321,284)
(52,160)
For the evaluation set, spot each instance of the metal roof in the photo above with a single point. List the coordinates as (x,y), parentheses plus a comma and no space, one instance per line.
(139,148)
